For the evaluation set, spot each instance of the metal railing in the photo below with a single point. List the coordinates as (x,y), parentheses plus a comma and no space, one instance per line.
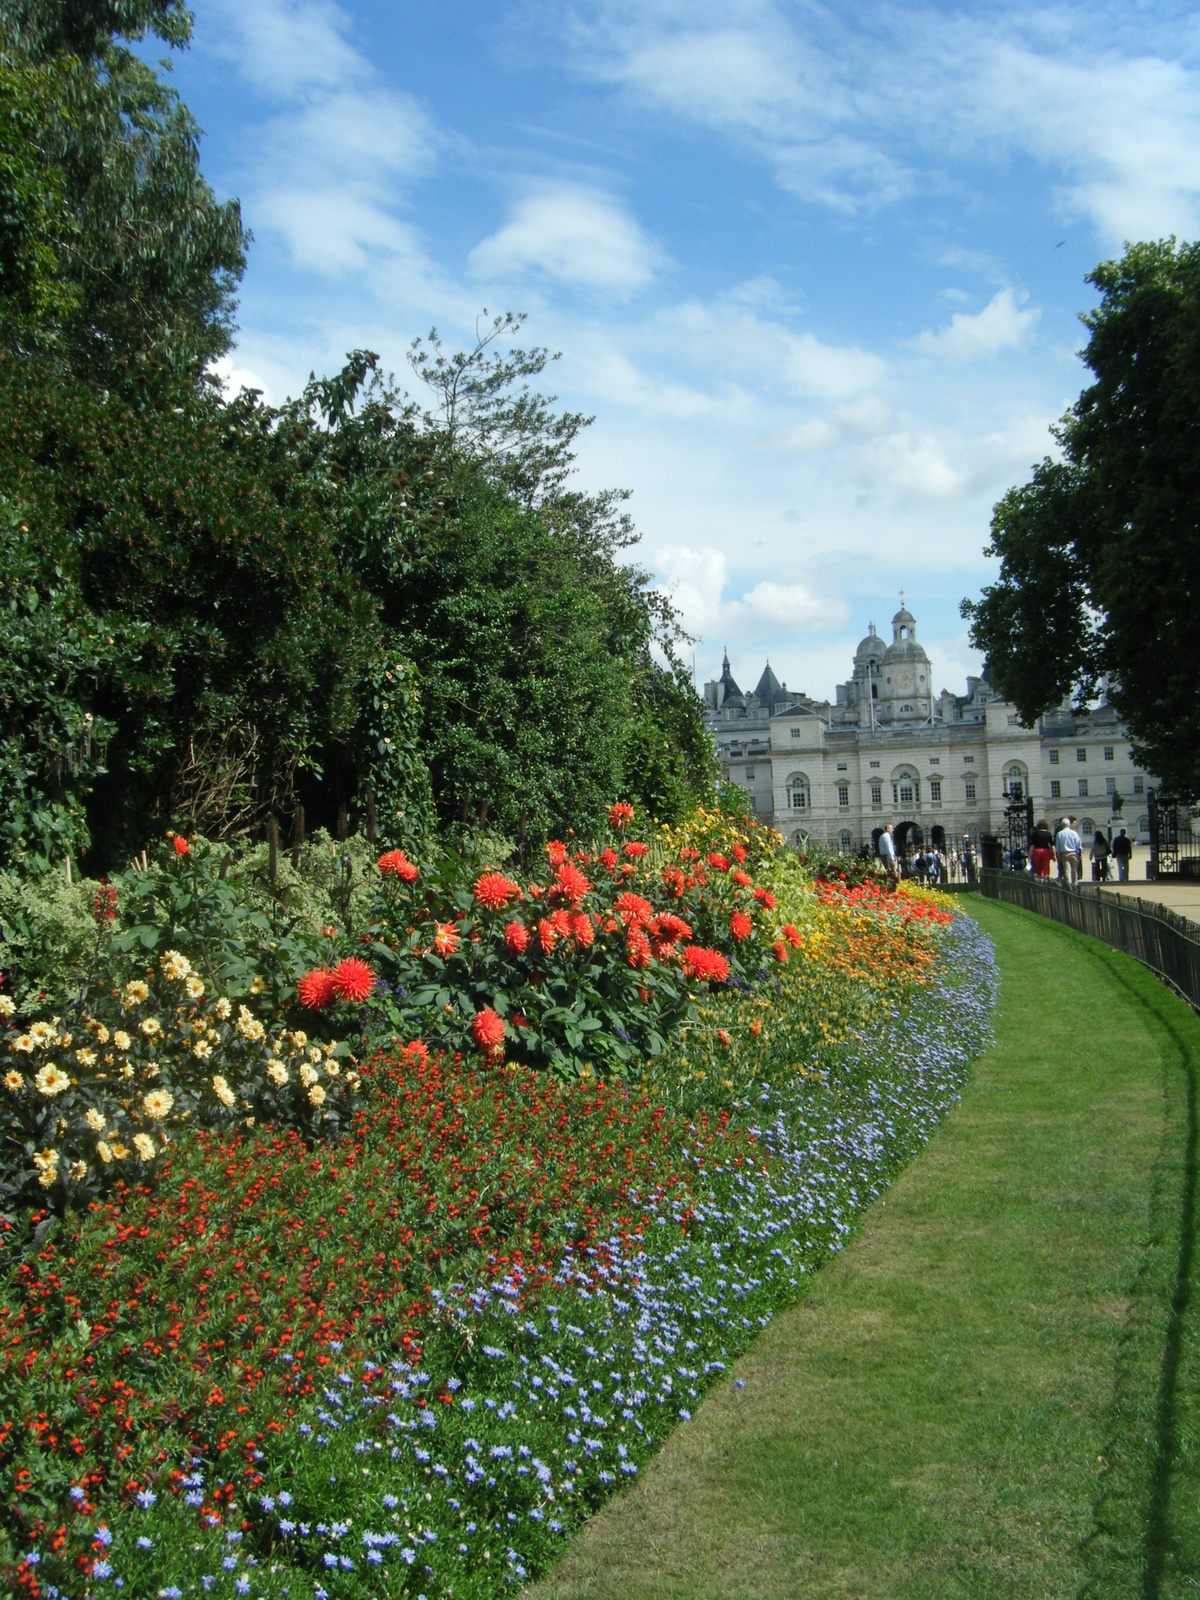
(1154,935)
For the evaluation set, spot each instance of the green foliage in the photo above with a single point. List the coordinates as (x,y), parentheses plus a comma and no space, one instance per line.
(50,939)
(33,211)
(1099,558)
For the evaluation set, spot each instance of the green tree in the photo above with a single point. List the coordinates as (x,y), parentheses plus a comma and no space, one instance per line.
(1100,552)
(144,258)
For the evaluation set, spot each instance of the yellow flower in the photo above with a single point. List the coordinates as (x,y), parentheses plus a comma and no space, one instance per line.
(201,1049)
(122,1040)
(352,1080)
(46,1161)
(24,1043)
(42,1033)
(248,1025)
(94,1121)
(119,1150)
(127,1071)
(86,1057)
(104,1151)
(277,1072)
(299,1039)
(175,966)
(136,993)
(144,1145)
(195,988)
(316,1095)
(332,1069)
(222,1090)
(78,1170)
(101,1033)
(152,1027)
(13,1081)
(307,1075)
(221,1009)
(158,1102)
(51,1081)
(257,986)
(7,1009)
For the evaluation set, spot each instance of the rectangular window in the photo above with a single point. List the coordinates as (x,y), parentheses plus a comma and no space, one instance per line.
(935,790)
(1110,786)
(750,772)
(969,759)
(1081,752)
(876,794)
(874,763)
(1139,786)
(1054,758)
(1083,788)
(1109,753)
(842,766)
(1055,789)
(795,733)
(753,803)
(906,795)
(843,794)
(970,793)
(1013,720)
(935,761)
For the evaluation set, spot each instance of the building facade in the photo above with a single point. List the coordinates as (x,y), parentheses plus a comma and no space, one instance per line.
(942,767)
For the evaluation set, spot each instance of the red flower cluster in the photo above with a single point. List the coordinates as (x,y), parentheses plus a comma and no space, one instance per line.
(315,989)
(637,849)
(709,966)
(570,884)
(493,891)
(395,864)
(351,980)
(792,934)
(718,862)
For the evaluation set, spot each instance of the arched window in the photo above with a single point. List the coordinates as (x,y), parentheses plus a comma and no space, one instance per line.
(906,789)
(1016,781)
(1087,829)
(799,796)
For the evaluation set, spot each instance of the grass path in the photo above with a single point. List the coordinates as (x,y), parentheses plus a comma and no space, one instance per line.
(995,1390)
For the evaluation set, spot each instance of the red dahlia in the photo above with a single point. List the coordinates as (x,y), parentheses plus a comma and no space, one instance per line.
(791,934)
(632,910)
(182,847)
(636,848)
(739,853)
(493,891)
(353,980)
(710,966)
(672,928)
(547,935)
(620,814)
(718,862)
(416,1052)
(396,864)
(488,1029)
(740,925)
(765,898)
(610,858)
(638,949)
(570,883)
(556,852)
(742,879)
(583,930)
(780,949)
(445,938)
(315,989)
(516,936)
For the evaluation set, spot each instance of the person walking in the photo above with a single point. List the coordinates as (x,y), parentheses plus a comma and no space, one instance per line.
(1099,854)
(1068,847)
(887,851)
(1122,849)
(1041,849)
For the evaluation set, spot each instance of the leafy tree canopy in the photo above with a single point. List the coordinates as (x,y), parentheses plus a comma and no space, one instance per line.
(1100,552)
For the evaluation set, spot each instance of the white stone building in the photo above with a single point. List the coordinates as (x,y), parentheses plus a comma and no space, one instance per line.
(942,767)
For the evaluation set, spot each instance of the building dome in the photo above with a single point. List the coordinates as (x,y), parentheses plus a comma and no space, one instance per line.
(904,619)
(905,650)
(870,648)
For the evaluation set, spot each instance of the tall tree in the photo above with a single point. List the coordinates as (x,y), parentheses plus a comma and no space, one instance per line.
(1100,552)
(146,259)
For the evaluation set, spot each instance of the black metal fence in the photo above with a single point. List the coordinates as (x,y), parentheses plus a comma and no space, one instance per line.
(1154,935)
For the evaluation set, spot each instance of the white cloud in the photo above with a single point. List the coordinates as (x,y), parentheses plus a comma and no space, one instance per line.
(859,419)
(285,47)
(697,579)
(576,234)
(234,379)
(1001,325)
(912,466)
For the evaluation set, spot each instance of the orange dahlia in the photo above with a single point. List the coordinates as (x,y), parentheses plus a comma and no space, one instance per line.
(352,980)
(710,966)
(516,937)
(570,883)
(493,891)
(445,938)
(315,989)
(638,952)
(488,1029)
(620,814)
(394,863)
(740,926)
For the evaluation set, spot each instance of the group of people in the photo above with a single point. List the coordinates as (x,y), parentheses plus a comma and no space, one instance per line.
(929,865)
(1066,848)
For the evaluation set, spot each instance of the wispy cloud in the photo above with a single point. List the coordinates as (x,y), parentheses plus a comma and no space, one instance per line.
(1001,325)
(576,234)
(696,579)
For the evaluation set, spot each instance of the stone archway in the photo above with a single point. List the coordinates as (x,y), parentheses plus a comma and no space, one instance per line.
(908,833)
(937,836)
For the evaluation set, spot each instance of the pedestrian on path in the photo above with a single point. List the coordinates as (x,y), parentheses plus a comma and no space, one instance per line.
(1122,849)
(1041,849)
(887,851)
(1069,848)
(1099,854)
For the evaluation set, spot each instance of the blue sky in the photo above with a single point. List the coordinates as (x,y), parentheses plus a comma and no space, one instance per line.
(816,270)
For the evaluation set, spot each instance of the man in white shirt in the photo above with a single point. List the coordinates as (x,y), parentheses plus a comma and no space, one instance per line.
(1068,847)
(887,851)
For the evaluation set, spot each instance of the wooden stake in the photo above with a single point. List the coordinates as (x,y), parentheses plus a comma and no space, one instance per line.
(273,851)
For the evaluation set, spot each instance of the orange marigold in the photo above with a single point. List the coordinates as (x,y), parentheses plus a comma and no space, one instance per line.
(353,980)
(488,1029)
(315,990)
(493,891)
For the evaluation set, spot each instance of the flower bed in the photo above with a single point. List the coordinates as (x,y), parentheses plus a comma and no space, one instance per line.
(409,1362)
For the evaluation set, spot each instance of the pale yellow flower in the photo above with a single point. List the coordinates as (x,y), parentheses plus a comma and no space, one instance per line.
(121,1039)
(144,1145)
(101,1033)
(151,1070)
(152,1027)
(64,1042)
(316,1095)
(24,1043)
(13,1081)
(51,1081)
(352,1080)
(104,1151)
(257,986)
(94,1121)
(127,1070)
(222,1090)
(195,988)
(248,1025)
(86,1057)
(201,1049)
(332,1069)
(175,966)
(158,1102)
(42,1033)
(136,993)
(221,1009)
(307,1075)
(7,1009)
(277,1072)
(119,1150)
(46,1161)
(314,1053)
(299,1039)
(78,1170)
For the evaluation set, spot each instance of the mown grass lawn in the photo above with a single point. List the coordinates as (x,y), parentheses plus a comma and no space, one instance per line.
(995,1391)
